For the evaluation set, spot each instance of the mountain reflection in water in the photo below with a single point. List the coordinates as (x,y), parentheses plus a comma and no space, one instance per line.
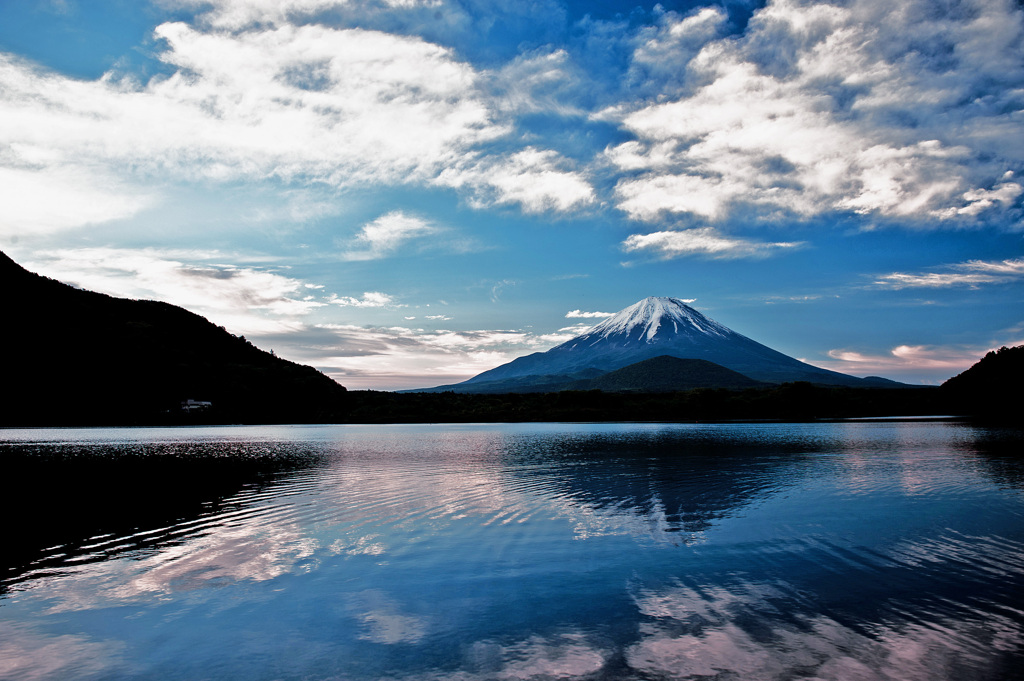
(532,551)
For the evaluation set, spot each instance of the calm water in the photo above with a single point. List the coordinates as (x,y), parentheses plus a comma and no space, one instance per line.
(537,551)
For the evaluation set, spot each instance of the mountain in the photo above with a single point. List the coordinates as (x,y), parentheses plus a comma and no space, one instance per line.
(991,387)
(78,357)
(666,374)
(651,328)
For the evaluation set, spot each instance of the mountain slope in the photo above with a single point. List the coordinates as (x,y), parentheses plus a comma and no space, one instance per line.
(991,387)
(666,373)
(651,328)
(75,356)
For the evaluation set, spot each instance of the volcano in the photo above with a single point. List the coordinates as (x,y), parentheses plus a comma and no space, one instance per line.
(651,328)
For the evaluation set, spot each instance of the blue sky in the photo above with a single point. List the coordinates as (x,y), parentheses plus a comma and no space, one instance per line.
(404,193)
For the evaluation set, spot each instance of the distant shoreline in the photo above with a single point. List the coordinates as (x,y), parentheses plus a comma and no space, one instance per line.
(864,419)
(789,403)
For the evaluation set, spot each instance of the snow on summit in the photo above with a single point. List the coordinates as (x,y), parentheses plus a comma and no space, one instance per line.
(650,328)
(650,315)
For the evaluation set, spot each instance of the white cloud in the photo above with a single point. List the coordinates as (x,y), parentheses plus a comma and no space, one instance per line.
(663,50)
(771,300)
(646,198)
(246,300)
(254,97)
(499,287)
(369,299)
(538,180)
(385,234)
(972,273)
(899,280)
(701,241)
(816,108)
(910,362)
(580,314)
(549,340)
(820,108)
(307,104)
(239,14)
(329,104)
(43,202)
(400,357)
(980,200)
(544,82)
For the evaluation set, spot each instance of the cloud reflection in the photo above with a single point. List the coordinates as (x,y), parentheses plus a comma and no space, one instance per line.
(470,553)
(739,632)
(383,620)
(30,655)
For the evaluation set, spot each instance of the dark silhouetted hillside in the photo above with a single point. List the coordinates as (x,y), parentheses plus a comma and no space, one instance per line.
(666,374)
(992,388)
(655,375)
(78,357)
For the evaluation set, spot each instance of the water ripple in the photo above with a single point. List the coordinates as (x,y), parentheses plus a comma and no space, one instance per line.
(832,551)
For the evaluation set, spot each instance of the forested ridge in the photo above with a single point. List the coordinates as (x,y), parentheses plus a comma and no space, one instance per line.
(79,357)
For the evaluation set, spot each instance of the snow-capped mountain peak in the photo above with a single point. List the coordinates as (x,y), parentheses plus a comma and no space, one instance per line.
(643,321)
(651,328)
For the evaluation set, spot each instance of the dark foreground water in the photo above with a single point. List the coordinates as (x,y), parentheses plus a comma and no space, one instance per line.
(539,551)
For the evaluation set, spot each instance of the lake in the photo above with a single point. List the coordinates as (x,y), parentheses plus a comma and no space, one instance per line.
(850,550)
